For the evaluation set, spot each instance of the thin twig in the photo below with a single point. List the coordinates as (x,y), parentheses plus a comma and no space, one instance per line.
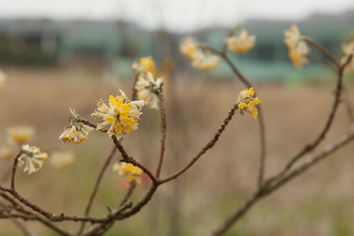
(266,189)
(209,145)
(163,133)
(140,204)
(328,150)
(323,50)
(262,159)
(231,31)
(134,91)
(101,228)
(131,160)
(6,174)
(14,165)
(128,194)
(23,227)
(348,105)
(30,215)
(262,140)
(96,186)
(309,147)
(322,62)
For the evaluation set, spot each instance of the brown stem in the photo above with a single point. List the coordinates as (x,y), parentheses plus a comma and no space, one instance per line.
(96,186)
(262,159)
(30,215)
(348,104)
(323,50)
(241,211)
(23,227)
(209,145)
(328,150)
(266,189)
(99,229)
(163,133)
(134,91)
(229,62)
(140,204)
(131,160)
(6,174)
(322,62)
(231,31)
(262,140)
(128,194)
(309,147)
(14,165)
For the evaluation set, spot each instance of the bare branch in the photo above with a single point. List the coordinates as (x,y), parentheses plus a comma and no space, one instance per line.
(266,189)
(163,132)
(209,145)
(96,186)
(262,159)
(131,160)
(323,50)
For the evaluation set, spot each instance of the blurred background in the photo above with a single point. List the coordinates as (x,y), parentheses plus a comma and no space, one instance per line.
(72,53)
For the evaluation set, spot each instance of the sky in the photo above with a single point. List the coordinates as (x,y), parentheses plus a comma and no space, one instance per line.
(175,15)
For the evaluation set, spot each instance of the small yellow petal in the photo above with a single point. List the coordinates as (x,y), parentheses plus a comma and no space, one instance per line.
(257,101)
(255,113)
(242,105)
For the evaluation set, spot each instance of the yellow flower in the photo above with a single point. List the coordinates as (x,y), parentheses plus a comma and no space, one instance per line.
(122,114)
(7,152)
(2,79)
(146,65)
(129,171)
(148,89)
(188,47)
(348,49)
(247,102)
(61,160)
(20,134)
(204,61)
(298,55)
(298,48)
(32,158)
(292,36)
(200,59)
(77,131)
(240,42)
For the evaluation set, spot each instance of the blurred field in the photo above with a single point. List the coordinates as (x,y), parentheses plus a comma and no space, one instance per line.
(317,203)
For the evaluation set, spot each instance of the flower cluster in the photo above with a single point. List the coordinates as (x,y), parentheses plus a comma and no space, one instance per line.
(61,160)
(348,49)
(77,131)
(2,79)
(240,42)
(247,102)
(20,134)
(146,65)
(7,152)
(32,158)
(121,113)
(129,171)
(148,89)
(298,48)
(16,135)
(200,59)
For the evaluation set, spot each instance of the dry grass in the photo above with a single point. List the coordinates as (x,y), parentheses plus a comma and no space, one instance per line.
(317,203)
